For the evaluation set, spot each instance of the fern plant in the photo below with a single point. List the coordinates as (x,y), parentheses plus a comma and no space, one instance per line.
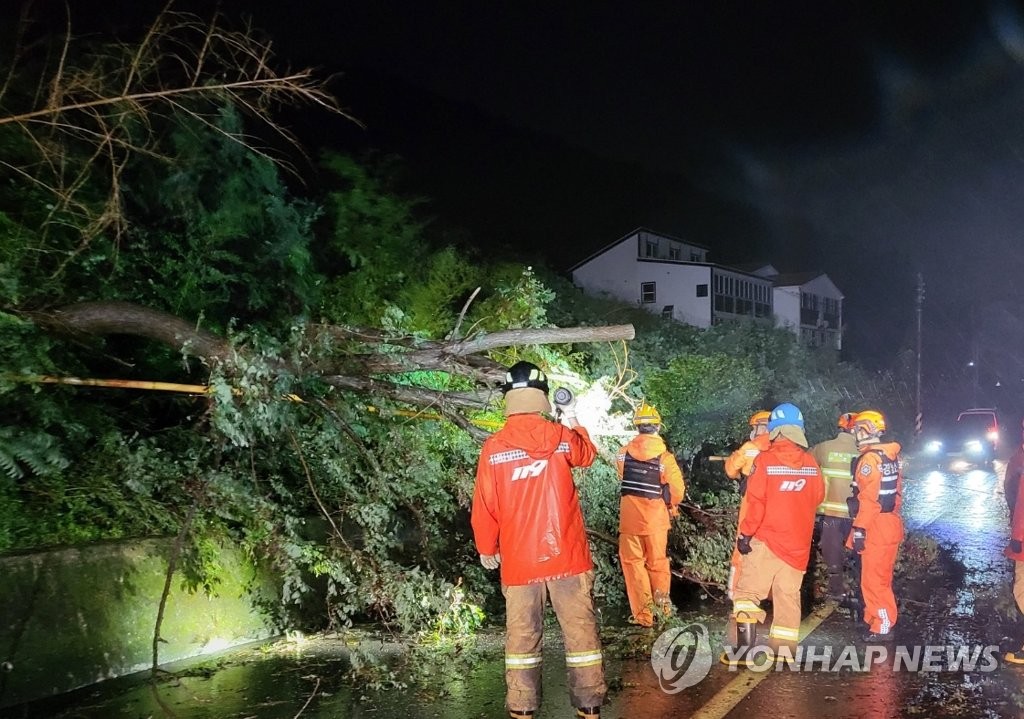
(27,451)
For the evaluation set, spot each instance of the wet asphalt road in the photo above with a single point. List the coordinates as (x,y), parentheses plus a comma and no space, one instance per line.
(954,606)
(966,514)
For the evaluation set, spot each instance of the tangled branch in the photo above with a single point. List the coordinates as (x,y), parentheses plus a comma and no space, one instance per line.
(361,360)
(106,104)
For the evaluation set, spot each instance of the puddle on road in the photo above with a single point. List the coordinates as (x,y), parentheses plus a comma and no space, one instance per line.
(334,677)
(321,678)
(317,679)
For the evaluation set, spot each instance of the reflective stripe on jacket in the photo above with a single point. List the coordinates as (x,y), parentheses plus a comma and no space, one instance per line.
(740,463)
(525,504)
(835,457)
(783,492)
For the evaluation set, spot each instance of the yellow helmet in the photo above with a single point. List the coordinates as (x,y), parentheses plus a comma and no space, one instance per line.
(871,421)
(760,418)
(646,414)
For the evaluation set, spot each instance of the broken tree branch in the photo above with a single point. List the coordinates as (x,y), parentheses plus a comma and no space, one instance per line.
(353,365)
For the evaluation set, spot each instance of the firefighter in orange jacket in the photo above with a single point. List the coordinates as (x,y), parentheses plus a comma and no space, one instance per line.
(835,457)
(651,485)
(1012,482)
(738,466)
(527,519)
(877,527)
(782,494)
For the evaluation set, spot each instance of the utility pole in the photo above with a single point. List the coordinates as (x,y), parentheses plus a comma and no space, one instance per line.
(919,417)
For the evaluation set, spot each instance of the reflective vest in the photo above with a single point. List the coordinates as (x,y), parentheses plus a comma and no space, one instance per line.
(642,479)
(888,488)
(836,458)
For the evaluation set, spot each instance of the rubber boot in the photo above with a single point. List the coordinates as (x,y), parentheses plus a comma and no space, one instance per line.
(853,604)
(1015,657)
(744,631)
(877,638)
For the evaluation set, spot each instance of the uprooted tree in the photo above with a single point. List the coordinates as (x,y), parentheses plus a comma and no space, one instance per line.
(363,360)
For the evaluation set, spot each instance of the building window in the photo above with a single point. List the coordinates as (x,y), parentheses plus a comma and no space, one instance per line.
(667,311)
(809,301)
(695,257)
(702,290)
(674,253)
(651,248)
(647,293)
(739,296)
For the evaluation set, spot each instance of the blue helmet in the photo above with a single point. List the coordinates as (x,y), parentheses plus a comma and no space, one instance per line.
(785,413)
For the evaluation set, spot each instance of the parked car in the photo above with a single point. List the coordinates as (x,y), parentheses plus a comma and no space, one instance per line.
(970,442)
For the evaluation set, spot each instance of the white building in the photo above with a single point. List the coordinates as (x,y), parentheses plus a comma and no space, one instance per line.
(672,277)
(808,303)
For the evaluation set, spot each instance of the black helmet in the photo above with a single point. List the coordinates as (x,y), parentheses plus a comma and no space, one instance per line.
(525,374)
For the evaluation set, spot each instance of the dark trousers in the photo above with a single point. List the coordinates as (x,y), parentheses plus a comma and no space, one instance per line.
(834,532)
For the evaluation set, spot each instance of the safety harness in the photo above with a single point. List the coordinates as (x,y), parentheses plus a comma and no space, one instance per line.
(643,478)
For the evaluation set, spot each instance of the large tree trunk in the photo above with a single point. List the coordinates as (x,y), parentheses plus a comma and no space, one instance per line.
(361,360)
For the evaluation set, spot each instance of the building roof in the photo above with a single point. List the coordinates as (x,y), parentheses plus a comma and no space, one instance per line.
(795,279)
(753,267)
(799,279)
(633,233)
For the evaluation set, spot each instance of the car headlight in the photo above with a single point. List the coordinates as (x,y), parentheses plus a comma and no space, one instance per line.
(993,435)
(933,447)
(973,446)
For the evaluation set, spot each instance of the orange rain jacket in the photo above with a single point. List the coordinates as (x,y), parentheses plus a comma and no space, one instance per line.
(525,504)
(639,515)
(740,463)
(878,499)
(783,493)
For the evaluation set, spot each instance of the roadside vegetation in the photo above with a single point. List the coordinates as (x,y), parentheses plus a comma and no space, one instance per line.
(337,440)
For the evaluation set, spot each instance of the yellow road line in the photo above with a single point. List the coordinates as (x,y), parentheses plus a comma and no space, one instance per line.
(736,690)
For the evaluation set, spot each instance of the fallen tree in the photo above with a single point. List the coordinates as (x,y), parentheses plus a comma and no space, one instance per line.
(364,360)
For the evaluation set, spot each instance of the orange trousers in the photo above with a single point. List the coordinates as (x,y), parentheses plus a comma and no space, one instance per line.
(876,567)
(735,563)
(645,567)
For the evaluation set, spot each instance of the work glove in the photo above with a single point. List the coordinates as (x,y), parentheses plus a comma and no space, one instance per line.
(490,561)
(743,544)
(859,535)
(1015,546)
(567,411)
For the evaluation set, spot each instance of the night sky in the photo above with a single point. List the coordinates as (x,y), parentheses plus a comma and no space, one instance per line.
(872,141)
